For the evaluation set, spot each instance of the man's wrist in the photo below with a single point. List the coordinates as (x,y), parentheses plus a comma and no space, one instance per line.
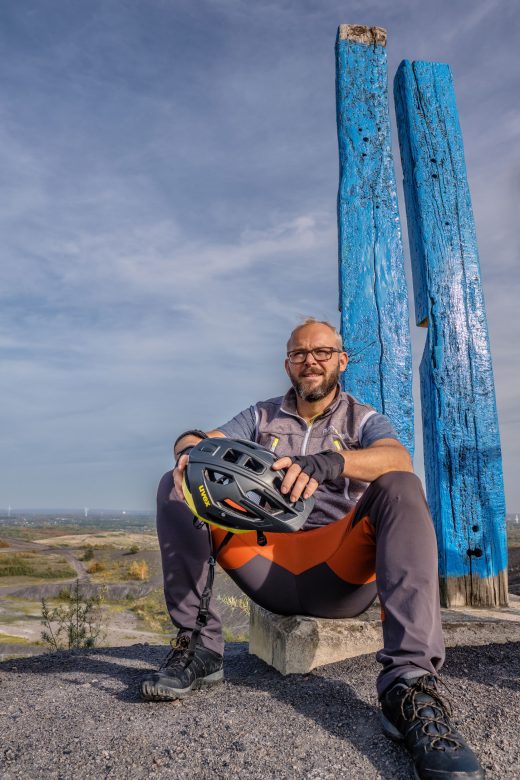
(178,441)
(185,451)
(325,466)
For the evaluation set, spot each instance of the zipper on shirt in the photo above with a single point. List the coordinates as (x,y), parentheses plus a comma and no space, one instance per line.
(307,434)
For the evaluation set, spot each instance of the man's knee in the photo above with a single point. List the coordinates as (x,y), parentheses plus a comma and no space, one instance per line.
(399,486)
(165,487)
(167,499)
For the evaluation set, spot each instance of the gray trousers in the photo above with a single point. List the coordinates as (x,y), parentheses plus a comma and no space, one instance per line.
(403,545)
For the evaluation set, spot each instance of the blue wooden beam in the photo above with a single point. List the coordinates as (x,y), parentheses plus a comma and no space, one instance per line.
(463,460)
(373,297)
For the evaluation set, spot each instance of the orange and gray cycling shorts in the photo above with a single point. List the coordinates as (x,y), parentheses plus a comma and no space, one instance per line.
(327,571)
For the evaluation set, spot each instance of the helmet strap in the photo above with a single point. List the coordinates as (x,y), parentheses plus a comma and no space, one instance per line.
(202,616)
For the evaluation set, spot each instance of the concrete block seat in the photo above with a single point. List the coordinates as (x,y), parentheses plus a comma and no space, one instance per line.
(296,644)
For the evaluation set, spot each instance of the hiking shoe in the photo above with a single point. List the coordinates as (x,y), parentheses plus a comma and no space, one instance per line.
(179,674)
(414,713)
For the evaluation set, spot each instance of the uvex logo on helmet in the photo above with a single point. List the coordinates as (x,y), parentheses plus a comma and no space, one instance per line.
(204,495)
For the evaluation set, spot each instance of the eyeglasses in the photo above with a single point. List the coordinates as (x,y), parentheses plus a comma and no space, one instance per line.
(321,354)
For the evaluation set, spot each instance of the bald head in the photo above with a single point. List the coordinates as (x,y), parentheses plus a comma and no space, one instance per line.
(321,329)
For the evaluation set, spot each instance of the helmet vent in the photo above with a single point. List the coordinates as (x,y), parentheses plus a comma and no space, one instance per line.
(234,486)
(254,465)
(270,506)
(231,456)
(255,497)
(206,446)
(218,477)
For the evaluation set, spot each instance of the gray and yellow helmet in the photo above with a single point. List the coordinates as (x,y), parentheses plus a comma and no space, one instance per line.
(229,483)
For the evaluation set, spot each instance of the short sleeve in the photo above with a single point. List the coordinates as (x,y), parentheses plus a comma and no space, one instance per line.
(242,426)
(376,426)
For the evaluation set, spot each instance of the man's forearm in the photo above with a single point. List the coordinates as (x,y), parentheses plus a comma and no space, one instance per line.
(369,464)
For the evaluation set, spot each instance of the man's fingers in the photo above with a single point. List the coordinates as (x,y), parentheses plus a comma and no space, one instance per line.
(295,481)
(281,463)
(299,486)
(290,478)
(311,488)
(178,474)
(177,485)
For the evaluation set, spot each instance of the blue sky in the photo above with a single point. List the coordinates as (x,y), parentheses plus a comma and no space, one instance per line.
(168,184)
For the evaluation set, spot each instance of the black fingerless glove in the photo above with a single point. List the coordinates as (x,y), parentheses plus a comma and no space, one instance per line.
(323,467)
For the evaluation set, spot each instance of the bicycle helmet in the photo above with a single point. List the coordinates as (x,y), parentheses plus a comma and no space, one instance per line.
(229,483)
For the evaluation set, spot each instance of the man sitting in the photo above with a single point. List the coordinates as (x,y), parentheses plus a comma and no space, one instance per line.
(370,533)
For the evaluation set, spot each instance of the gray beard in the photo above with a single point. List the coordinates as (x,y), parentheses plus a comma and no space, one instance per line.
(318,392)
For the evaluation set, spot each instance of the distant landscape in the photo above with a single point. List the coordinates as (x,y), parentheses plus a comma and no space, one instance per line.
(113,554)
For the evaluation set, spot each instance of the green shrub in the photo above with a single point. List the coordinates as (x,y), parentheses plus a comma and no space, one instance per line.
(88,554)
(77,624)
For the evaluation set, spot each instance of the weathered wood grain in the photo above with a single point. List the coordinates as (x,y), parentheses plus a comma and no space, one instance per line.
(463,460)
(373,295)
(361,33)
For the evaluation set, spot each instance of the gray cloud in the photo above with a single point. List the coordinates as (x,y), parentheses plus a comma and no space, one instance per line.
(167,211)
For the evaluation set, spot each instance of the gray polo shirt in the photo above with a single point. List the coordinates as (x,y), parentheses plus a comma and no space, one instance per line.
(347,424)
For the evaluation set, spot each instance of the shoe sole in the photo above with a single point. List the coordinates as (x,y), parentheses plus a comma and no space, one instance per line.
(390,730)
(395,735)
(154,692)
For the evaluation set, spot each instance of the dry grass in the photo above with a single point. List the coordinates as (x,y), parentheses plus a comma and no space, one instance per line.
(513,536)
(138,570)
(151,609)
(12,639)
(120,540)
(33,564)
(236,602)
(96,567)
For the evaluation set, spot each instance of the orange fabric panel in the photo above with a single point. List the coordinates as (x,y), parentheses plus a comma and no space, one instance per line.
(345,550)
(355,559)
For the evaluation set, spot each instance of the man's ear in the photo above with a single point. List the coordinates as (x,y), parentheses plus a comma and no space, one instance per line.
(286,364)
(343,361)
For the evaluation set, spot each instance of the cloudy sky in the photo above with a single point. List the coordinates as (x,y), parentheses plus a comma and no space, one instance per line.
(168,186)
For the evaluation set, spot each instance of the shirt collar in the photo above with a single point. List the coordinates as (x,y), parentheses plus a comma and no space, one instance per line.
(289,403)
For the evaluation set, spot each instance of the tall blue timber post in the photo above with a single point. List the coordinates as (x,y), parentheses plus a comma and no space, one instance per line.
(461,439)
(373,296)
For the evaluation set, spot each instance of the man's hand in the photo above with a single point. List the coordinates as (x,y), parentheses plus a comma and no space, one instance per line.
(306,472)
(178,473)
(186,443)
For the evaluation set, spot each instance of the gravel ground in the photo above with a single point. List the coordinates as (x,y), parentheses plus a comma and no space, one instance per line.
(78,715)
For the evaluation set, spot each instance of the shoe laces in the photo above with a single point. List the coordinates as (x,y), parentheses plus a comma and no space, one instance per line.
(434,712)
(178,653)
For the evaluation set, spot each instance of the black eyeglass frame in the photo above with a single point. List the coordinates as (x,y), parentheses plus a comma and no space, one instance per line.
(305,352)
